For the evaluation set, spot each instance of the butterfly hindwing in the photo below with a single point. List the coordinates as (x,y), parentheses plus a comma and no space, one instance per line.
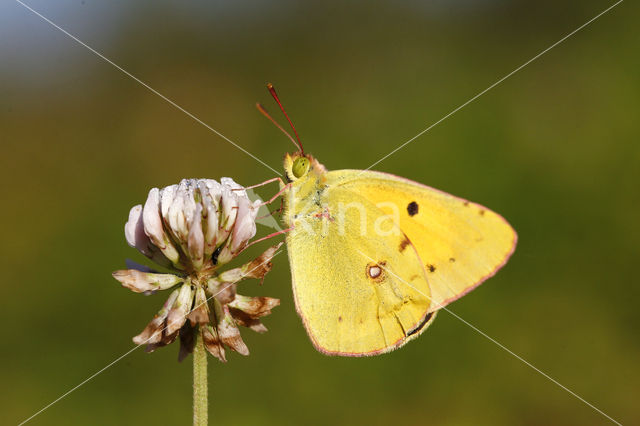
(357,291)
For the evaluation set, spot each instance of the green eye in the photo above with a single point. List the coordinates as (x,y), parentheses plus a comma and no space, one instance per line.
(300,167)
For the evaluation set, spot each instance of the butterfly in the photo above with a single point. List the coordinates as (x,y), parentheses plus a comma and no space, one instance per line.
(374,256)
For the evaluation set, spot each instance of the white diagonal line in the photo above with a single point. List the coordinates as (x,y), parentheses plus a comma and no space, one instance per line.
(496,83)
(147,86)
(500,345)
(134,348)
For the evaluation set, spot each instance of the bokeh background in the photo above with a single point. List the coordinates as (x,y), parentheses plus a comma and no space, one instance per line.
(553,148)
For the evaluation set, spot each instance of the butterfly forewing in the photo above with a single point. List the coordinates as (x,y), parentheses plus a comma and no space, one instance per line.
(460,243)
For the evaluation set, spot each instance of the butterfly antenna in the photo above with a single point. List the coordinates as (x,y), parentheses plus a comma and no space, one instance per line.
(266,114)
(272,90)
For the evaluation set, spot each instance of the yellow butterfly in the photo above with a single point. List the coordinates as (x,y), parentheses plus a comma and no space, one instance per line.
(374,256)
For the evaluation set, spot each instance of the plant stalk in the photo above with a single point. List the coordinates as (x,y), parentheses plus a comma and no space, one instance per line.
(200,399)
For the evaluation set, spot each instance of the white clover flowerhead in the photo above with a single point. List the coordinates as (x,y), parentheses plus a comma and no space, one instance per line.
(194,225)
(193,228)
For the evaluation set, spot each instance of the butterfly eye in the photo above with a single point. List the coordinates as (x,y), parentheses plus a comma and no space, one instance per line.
(300,167)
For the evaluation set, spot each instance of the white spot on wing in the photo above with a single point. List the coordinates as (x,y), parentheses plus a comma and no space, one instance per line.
(375,271)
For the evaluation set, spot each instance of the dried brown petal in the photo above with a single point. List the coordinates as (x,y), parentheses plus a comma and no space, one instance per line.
(257,268)
(200,312)
(152,347)
(255,307)
(245,320)
(229,333)
(167,339)
(153,331)
(212,342)
(187,341)
(141,282)
(178,313)
(260,266)
(227,293)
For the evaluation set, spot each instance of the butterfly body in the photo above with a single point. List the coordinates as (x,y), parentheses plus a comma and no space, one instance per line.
(374,256)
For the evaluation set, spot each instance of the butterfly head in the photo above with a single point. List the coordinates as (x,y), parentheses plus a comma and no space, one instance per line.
(298,166)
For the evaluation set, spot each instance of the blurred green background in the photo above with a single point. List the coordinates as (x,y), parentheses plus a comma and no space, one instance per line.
(554,149)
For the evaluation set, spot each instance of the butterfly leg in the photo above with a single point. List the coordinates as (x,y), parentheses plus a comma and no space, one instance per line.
(266,182)
(279,193)
(266,238)
(279,211)
(271,200)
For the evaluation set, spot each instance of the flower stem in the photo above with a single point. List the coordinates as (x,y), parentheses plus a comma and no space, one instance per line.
(200,400)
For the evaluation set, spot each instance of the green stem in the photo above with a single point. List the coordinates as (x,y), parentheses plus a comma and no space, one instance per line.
(200,402)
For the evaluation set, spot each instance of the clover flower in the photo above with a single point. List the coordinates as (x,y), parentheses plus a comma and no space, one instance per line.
(191,229)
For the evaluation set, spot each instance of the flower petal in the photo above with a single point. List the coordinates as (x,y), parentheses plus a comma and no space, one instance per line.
(232,184)
(244,320)
(187,341)
(229,210)
(145,281)
(153,331)
(200,312)
(245,225)
(189,206)
(257,268)
(230,276)
(167,339)
(213,343)
(167,195)
(223,291)
(176,218)
(260,266)
(134,230)
(210,191)
(136,237)
(154,229)
(255,307)
(195,242)
(178,313)
(229,333)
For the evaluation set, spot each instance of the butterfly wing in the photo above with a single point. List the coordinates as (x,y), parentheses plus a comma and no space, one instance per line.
(461,243)
(347,307)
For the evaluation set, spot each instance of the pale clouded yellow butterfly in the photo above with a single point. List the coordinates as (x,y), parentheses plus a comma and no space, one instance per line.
(374,256)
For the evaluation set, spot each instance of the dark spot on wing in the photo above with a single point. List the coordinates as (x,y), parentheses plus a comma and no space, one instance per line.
(420,326)
(412,208)
(404,243)
(466,204)
(452,259)
(431,268)
(340,319)
(481,212)
(413,277)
